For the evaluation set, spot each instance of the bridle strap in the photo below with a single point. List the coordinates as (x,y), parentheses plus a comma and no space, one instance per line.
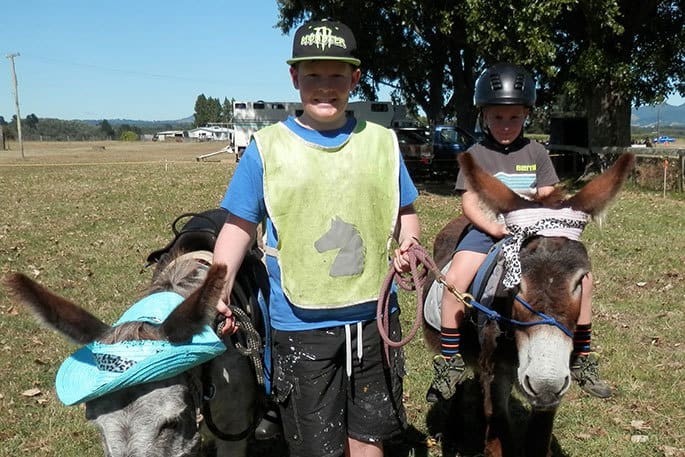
(491,314)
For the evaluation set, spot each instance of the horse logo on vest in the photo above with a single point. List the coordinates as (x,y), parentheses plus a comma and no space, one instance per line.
(344,236)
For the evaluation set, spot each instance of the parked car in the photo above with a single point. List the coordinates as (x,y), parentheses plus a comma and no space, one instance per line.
(416,150)
(448,142)
(664,139)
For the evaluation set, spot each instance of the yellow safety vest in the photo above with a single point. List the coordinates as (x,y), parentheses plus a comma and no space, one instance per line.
(334,209)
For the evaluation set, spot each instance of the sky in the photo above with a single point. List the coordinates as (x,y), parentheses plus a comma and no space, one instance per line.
(144,59)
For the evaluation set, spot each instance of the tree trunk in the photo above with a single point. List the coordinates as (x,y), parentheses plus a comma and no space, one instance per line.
(466,116)
(608,114)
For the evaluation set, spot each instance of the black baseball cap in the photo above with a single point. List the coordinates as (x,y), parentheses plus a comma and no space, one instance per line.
(324,40)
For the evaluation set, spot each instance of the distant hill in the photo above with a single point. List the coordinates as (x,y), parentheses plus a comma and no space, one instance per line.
(138,123)
(645,116)
(666,115)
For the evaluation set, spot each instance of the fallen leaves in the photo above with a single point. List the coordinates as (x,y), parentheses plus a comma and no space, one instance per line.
(32,392)
(35,271)
(591,433)
(639,425)
(36,394)
(670,451)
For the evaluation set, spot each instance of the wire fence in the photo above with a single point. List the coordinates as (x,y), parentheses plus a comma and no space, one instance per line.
(656,168)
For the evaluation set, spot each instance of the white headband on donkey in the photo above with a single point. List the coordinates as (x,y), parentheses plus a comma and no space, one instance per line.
(524,223)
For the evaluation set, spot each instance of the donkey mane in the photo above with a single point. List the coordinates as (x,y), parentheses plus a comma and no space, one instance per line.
(182,277)
(556,199)
(177,274)
(131,331)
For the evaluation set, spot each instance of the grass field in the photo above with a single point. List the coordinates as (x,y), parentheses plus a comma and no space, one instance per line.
(82,217)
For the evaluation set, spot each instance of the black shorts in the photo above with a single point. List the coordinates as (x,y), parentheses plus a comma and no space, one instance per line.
(320,405)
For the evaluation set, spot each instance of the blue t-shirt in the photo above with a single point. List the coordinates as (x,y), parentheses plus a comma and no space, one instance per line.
(245,199)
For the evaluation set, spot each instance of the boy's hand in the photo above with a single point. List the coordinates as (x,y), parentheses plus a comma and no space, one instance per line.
(401,259)
(499,231)
(230,326)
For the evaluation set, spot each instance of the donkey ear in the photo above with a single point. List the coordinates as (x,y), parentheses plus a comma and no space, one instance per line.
(594,197)
(193,314)
(490,190)
(58,313)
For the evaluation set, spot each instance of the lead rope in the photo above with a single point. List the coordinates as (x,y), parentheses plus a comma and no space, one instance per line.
(252,350)
(253,340)
(420,263)
(417,256)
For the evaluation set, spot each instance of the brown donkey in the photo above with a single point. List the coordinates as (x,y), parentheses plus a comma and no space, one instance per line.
(525,337)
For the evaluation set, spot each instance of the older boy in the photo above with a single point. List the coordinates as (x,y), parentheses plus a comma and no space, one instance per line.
(333,190)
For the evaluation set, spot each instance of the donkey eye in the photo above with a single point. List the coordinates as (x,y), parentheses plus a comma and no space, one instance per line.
(169,425)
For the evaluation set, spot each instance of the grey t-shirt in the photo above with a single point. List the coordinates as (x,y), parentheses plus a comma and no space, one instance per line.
(522,170)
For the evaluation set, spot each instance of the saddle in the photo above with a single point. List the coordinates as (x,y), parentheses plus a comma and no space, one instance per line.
(251,288)
(199,233)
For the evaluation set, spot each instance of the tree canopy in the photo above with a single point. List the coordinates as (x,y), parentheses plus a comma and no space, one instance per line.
(208,110)
(48,129)
(596,56)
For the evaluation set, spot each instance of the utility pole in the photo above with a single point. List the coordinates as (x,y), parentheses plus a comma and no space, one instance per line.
(16,101)
(2,138)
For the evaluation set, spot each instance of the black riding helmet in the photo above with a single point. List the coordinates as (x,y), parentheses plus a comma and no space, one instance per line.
(504,84)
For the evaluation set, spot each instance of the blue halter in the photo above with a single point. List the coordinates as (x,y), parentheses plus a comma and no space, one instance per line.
(482,278)
(544,318)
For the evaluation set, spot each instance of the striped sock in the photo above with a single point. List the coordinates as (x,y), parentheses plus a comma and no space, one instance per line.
(450,340)
(581,339)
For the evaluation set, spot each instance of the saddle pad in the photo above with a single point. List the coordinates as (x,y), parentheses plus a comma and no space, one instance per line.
(431,305)
(484,287)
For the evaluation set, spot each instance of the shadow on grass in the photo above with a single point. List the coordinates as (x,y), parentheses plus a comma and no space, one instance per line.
(459,424)
(435,184)
(410,444)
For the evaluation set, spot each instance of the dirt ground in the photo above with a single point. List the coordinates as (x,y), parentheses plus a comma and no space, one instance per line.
(36,152)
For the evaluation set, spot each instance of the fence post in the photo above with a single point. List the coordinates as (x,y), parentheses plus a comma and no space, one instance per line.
(681,178)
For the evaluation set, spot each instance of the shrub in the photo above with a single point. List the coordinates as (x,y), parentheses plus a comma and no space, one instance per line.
(128,135)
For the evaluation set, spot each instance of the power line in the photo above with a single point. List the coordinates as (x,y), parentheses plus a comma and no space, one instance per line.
(137,73)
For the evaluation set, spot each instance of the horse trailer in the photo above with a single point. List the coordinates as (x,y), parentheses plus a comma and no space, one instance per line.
(248,117)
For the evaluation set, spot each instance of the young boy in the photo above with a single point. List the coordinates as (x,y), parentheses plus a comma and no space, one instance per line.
(333,190)
(504,94)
